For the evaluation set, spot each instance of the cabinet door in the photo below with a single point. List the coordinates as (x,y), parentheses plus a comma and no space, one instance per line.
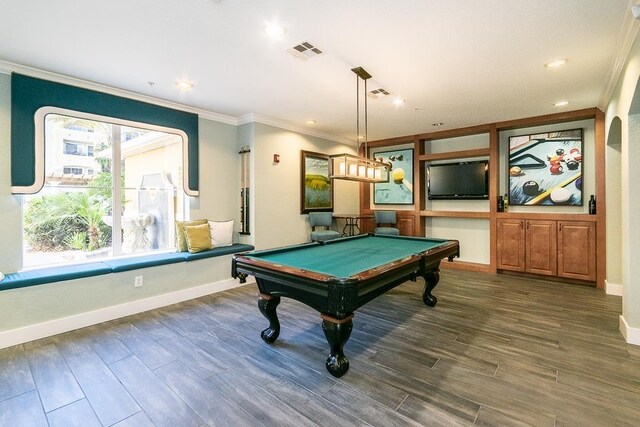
(541,247)
(510,254)
(406,226)
(577,250)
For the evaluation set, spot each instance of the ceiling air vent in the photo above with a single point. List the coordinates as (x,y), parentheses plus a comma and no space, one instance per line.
(378,93)
(304,50)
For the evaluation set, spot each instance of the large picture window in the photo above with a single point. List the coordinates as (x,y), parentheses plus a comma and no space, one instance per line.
(111,188)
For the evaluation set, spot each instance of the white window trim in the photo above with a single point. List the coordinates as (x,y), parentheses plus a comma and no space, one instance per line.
(39,119)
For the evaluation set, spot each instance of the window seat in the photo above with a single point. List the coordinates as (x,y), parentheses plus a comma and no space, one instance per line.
(69,272)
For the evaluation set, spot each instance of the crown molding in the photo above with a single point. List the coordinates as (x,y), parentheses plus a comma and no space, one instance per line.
(626,38)
(9,67)
(270,121)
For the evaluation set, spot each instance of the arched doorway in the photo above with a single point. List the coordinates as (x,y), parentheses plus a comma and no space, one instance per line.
(614,207)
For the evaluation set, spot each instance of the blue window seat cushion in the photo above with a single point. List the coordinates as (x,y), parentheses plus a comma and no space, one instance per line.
(60,273)
(133,263)
(53,274)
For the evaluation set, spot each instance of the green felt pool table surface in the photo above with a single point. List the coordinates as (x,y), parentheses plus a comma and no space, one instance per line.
(349,256)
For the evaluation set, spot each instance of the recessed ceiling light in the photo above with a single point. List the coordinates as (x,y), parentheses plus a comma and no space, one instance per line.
(398,102)
(183,84)
(311,122)
(561,103)
(437,124)
(555,64)
(274,30)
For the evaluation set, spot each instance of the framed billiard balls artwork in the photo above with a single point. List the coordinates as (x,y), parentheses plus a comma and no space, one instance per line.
(399,189)
(545,169)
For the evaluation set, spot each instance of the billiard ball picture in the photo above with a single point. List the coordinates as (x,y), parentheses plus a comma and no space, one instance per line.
(397,175)
(560,195)
(546,168)
(531,188)
(572,165)
(555,169)
(515,171)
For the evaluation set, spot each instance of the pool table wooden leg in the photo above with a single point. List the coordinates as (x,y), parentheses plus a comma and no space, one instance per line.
(337,332)
(431,279)
(267,305)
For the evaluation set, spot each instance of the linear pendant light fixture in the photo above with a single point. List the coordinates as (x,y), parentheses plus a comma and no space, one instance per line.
(357,168)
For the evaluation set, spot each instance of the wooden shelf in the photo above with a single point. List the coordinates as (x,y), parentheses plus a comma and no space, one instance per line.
(550,216)
(481,152)
(456,214)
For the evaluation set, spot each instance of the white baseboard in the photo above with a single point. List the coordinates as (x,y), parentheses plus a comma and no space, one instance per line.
(65,324)
(612,288)
(631,335)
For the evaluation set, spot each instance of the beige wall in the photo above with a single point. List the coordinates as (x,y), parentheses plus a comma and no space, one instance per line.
(10,207)
(276,187)
(624,103)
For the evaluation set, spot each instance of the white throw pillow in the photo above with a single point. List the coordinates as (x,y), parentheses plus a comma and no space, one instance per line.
(221,233)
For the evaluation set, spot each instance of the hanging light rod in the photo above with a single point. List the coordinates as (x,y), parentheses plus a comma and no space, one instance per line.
(362,73)
(353,167)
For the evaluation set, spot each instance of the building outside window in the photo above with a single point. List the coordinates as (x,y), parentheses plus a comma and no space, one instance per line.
(73,148)
(110,190)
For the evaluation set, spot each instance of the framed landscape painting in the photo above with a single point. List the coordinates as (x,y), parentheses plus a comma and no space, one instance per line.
(399,189)
(316,189)
(545,169)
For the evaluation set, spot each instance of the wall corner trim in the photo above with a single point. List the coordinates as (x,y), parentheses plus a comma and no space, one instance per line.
(53,327)
(631,335)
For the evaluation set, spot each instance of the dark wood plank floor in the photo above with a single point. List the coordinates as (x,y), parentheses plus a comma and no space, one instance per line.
(496,350)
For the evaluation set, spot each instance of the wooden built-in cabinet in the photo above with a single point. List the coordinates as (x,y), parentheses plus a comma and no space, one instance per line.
(537,242)
(561,248)
(405,222)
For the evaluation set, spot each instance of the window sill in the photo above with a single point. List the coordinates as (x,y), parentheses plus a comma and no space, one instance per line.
(79,271)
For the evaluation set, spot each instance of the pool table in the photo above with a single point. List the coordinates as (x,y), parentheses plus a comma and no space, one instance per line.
(338,276)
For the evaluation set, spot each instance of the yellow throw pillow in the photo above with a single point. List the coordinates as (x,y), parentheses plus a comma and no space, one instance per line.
(198,238)
(181,241)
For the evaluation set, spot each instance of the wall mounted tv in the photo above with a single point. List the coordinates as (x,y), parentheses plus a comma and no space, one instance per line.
(462,180)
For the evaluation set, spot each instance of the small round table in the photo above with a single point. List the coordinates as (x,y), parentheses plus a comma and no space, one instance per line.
(351,223)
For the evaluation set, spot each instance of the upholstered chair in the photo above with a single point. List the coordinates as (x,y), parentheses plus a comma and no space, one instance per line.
(385,223)
(322,219)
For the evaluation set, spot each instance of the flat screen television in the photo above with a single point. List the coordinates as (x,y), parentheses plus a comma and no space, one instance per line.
(462,180)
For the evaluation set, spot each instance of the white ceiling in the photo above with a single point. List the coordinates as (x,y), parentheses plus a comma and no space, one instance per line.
(463,62)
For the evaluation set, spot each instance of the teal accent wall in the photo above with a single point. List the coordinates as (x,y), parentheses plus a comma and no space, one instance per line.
(28,94)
